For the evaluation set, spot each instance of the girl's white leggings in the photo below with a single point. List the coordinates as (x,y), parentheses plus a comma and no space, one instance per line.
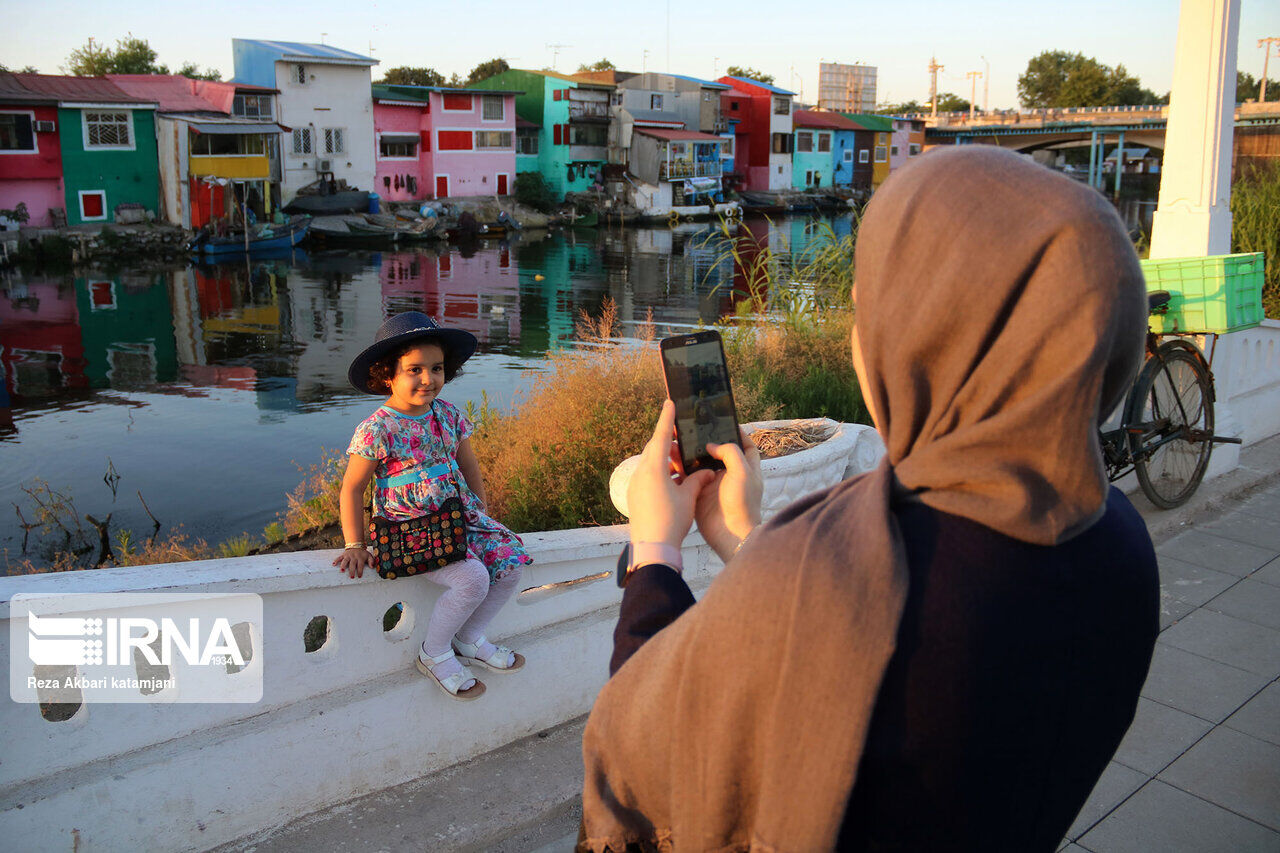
(468,603)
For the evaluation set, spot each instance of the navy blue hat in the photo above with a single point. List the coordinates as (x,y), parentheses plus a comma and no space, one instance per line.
(404,329)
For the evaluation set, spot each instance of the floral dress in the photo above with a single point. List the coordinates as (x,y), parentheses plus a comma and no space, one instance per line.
(417,468)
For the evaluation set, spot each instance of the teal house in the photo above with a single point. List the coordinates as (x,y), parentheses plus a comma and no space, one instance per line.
(108,142)
(825,152)
(562,127)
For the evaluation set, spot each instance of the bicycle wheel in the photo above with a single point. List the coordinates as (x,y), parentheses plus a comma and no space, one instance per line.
(1172,405)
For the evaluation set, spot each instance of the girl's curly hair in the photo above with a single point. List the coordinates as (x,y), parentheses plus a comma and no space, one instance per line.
(382,370)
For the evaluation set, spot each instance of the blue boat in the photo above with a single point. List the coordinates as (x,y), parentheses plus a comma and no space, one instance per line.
(262,238)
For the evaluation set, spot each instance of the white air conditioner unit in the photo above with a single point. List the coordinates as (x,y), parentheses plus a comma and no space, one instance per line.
(324,165)
(45,127)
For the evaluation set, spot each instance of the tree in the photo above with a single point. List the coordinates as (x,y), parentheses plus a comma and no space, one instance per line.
(1056,78)
(1248,88)
(748,73)
(29,69)
(602,65)
(485,70)
(92,60)
(404,75)
(455,81)
(949,103)
(190,69)
(902,108)
(135,56)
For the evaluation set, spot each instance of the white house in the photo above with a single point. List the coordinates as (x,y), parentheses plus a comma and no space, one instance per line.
(325,100)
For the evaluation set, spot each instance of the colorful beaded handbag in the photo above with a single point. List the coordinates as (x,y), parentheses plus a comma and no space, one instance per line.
(422,544)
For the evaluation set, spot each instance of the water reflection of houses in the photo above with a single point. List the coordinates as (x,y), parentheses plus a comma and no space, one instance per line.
(231,325)
(62,337)
(479,292)
(40,344)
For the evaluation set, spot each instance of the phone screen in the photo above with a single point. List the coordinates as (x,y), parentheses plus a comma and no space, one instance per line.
(698,383)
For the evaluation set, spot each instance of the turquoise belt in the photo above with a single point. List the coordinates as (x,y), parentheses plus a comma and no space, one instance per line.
(417,475)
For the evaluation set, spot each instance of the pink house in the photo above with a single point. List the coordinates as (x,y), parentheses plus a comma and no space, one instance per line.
(30,151)
(435,142)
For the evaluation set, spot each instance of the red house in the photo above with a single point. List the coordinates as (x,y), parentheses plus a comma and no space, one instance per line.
(762,139)
(30,152)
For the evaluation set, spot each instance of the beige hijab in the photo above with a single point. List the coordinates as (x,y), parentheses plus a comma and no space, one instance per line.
(1001,312)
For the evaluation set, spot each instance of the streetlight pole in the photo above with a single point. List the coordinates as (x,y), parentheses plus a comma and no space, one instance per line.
(1265,44)
(986,85)
(973,89)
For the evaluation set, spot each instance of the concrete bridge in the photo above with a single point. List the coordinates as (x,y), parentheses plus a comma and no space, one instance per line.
(1257,130)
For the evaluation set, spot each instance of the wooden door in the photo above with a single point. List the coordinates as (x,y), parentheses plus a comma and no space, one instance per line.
(442,186)
(502,184)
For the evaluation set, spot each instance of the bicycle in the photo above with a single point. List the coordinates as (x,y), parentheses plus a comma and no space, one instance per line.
(1166,431)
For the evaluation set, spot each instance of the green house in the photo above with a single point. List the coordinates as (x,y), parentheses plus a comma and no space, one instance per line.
(564,132)
(108,142)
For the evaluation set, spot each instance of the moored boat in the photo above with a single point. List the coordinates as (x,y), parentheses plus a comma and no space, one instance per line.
(262,238)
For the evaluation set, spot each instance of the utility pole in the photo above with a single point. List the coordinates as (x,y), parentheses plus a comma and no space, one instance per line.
(555,53)
(1265,44)
(986,84)
(973,90)
(715,67)
(934,68)
(644,62)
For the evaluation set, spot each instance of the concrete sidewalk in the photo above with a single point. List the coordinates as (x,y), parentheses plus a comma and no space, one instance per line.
(1198,771)
(1200,768)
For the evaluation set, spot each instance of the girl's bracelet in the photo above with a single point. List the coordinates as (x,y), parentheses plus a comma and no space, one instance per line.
(351,545)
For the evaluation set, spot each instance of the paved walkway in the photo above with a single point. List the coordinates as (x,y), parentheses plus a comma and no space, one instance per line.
(1199,770)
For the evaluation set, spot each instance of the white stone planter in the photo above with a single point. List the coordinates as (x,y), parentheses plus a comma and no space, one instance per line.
(851,449)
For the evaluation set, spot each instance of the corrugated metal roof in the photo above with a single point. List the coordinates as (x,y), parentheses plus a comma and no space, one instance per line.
(13,92)
(89,89)
(710,84)
(291,49)
(678,135)
(822,119)
(226,128)
(869,122)
(405,92)
(750,82)
(171,92)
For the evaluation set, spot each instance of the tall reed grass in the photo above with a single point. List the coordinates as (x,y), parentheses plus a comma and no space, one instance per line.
(1255,225)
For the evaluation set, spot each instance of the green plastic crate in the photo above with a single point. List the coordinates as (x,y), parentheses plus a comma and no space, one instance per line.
(1222,293)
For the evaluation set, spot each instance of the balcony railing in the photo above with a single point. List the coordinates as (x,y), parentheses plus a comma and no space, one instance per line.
(588,111)
(684,169)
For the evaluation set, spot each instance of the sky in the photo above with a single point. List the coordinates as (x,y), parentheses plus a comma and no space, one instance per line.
(787,40)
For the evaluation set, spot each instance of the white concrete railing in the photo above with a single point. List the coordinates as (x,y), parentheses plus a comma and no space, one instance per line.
(348,719)
(1246,371)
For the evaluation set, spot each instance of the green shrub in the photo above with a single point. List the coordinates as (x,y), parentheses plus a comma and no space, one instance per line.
(531,190)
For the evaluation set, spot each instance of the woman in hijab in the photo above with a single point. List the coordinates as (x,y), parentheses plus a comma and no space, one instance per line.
(942,653)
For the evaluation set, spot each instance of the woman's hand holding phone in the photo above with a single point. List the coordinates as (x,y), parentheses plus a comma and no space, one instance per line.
(726,503)
(728,507)
(662,508)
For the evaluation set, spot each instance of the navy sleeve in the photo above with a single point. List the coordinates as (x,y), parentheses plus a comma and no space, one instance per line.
(655,597)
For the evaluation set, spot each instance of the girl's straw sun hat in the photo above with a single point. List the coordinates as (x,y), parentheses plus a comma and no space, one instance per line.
(405,328)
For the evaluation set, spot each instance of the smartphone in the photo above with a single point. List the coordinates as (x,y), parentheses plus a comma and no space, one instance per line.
(697,378)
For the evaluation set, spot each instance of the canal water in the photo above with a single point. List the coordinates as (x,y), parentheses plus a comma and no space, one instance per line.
(208,388)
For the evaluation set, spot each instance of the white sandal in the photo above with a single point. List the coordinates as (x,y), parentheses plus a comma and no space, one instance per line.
(451,683)
(468,653)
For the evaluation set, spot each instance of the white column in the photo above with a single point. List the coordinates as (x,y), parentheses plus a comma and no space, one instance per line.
(1193,216)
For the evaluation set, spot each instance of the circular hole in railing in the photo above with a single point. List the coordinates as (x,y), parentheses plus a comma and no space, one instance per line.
(397,622)
(152,673)
(56,692)
(242,633)
(316,634)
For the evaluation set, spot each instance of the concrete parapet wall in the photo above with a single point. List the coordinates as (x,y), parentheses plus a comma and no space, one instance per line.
(345,720)
(1246,371)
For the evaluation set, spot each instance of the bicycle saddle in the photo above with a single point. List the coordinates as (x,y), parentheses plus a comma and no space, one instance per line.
(1158,301)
